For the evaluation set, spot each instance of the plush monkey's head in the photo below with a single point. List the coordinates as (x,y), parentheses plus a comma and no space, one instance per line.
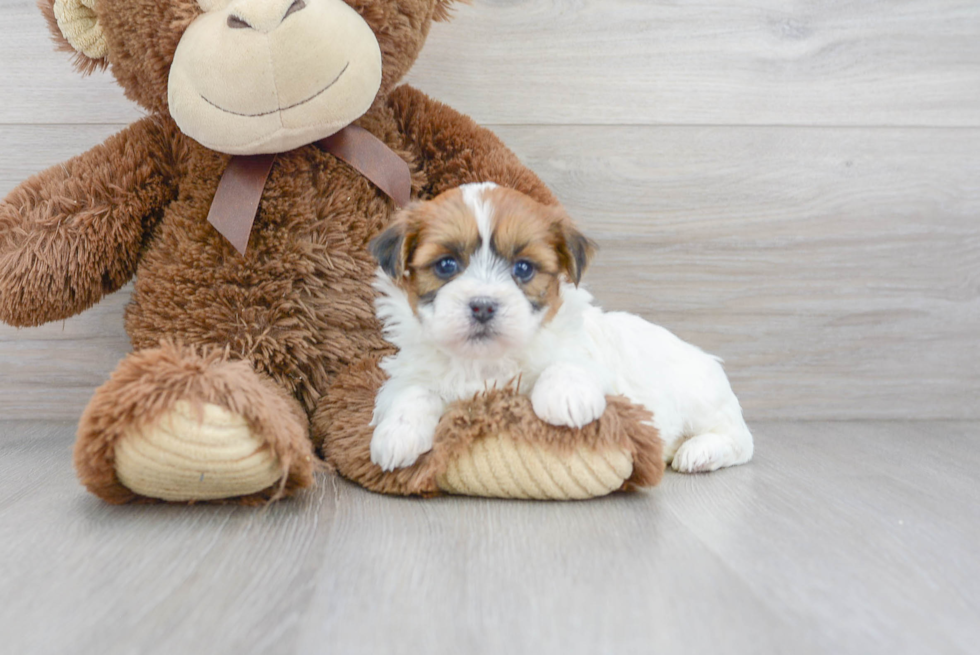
(249,76)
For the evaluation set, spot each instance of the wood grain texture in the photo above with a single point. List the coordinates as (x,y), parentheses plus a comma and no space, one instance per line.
(856,62)
(759,62)
(40,85)
(839,538)
(837,271)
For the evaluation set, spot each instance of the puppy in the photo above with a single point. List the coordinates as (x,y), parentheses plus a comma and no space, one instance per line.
(479,287)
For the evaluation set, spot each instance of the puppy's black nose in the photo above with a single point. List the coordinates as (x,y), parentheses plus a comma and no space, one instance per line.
(483,309)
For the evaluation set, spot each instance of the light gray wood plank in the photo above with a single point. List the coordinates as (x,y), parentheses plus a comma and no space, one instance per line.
(835,270)
(838,538)
(859,62)
(30,149)
(81,576)
(840,515)
(40,85)
(475,576)
(52,371)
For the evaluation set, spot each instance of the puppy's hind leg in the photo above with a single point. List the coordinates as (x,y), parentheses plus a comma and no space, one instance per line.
(710,451)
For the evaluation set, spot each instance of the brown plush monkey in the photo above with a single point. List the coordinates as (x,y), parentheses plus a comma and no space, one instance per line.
(233,353)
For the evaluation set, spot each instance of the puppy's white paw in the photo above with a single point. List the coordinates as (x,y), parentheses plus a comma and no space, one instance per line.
(566,395)
(407,430)
(704,453)
(399,441)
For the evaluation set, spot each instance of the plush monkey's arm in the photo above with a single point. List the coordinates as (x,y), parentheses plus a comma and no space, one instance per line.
(454,150)
(73,233)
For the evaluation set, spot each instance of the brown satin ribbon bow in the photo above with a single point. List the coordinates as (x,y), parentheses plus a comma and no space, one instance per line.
(237,199)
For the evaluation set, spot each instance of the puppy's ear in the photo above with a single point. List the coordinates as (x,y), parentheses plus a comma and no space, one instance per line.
(387,249)
(575,250)
(393,248)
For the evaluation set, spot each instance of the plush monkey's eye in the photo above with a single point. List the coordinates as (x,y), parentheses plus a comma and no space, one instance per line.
(524,271)
(446,267)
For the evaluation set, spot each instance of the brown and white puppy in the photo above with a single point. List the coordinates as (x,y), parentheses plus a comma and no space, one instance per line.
(479,287)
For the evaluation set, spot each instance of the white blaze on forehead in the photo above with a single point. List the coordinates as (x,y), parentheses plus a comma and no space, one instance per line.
(484,265)
(474,195)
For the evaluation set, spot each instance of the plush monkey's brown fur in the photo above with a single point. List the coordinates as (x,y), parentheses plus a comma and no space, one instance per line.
(265,334)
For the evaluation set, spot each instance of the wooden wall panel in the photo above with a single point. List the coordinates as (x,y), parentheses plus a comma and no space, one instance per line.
(597,62)
(836,270)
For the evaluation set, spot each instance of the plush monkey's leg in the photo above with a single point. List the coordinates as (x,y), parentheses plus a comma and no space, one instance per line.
(175,425)
(492,445)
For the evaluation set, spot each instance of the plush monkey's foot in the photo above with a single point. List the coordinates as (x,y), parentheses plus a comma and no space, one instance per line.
(492,445)
(174,425)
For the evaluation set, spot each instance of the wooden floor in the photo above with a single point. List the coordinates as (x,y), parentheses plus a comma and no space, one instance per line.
(856,537)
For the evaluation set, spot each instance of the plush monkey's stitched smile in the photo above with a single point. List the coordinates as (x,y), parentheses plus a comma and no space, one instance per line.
(295,104)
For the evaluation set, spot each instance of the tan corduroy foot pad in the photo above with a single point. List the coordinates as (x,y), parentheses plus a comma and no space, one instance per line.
(192,455)
(498,466)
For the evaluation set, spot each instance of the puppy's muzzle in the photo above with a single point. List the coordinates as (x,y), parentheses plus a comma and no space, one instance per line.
(483,310)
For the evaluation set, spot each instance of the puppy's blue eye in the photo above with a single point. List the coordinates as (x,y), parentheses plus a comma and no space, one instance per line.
(523,270)
(446,267)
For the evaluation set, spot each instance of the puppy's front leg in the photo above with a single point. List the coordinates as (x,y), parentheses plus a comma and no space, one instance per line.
(406,429)
(568,395)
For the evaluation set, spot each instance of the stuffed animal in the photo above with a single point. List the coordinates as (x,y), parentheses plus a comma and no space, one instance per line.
(276,145)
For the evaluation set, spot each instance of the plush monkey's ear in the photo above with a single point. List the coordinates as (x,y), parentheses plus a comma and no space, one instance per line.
(75,28)
(444,9)
(575,250)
